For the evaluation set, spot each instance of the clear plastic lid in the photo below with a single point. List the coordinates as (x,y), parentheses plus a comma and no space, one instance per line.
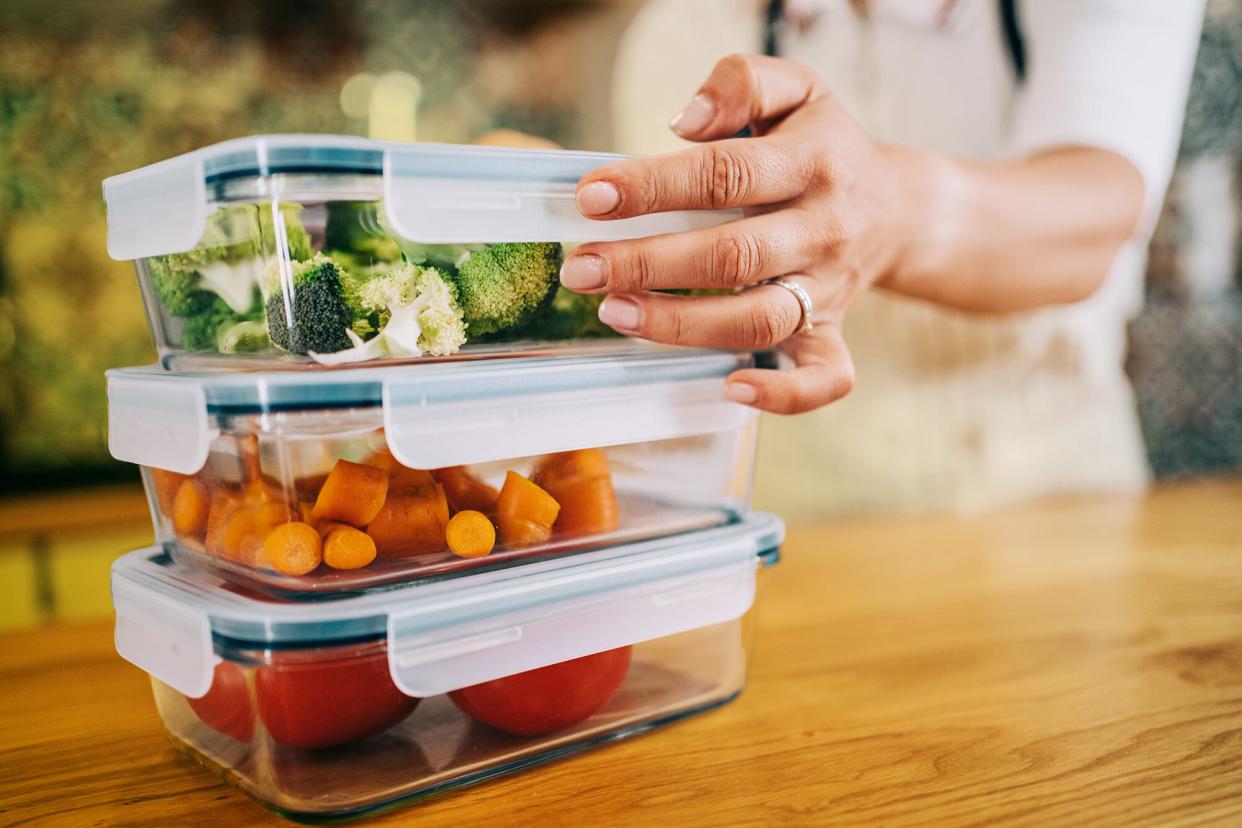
(451,634)
(443,414)
(432,193)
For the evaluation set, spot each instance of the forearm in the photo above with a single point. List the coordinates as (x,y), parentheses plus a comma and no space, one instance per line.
(1014,236)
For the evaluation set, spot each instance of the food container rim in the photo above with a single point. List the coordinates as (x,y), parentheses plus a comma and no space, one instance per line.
(261,392)
(254,619)
(432,193)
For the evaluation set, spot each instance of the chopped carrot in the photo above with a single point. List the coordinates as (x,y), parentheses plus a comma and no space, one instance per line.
(399,475)
(306,511)
(293,548)
(166,484)
(307,488)
(411,522)
(581,483)
(325,527)
(470,534)
(588,507)
(353,493)
(191,507)
(242,536)
(525,513)
(224,502)
(465,491)
(565,465)
(345,547)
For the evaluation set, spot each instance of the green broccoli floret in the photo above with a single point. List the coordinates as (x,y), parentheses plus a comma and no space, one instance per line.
(219,328)
(314,319)
(571,316)
(416,309)
(179,291)
(505,285)
(200,330)
(226,261)
(298,239)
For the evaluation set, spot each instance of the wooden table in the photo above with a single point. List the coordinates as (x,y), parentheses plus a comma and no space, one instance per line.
(1077,661)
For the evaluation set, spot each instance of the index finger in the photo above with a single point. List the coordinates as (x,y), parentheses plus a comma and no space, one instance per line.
(739,172)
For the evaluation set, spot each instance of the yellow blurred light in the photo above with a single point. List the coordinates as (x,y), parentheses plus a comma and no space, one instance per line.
(356,95)
(393,111)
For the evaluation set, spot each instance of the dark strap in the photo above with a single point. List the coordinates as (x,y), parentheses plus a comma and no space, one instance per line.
(1011,28)
(1014,43)
(772,20)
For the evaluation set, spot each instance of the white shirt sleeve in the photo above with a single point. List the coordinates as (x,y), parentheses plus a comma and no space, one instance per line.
(1112,74)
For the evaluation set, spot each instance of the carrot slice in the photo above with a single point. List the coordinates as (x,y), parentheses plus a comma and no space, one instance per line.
(569,465)
(399,475)
(224,503)
(353,493)
(293,548)
(191,507)
(525,513)
(588,507)
(242,536)
(345,547)
(470,534)
(581,483)
(465,491)
(411,522)
(166,484)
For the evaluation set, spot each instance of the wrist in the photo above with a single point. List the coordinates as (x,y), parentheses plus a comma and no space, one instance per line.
(929,219)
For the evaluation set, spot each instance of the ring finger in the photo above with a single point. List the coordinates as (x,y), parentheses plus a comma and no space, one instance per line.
(761,317)
(731,255)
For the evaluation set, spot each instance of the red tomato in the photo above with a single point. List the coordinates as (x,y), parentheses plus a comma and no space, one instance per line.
(226,707)
(320,702)
(548,698)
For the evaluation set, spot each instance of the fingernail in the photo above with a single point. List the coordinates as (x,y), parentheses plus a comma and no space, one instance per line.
(597,198)
(697,114)
(585,272)
(620,313)
(740,392)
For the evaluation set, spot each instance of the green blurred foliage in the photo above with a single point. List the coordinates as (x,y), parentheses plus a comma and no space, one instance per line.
(90,90)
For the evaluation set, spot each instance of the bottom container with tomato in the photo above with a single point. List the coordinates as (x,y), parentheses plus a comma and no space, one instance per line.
(341,706)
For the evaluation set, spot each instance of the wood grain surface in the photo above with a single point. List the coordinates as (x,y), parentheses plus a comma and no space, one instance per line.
(1071,662)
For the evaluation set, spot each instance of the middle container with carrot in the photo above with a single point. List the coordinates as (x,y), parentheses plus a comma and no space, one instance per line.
(299,483)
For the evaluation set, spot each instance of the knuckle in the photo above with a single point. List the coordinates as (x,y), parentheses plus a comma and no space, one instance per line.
(737,258)
(821,172)
(726,177)
(767,325)
(672,326)
(643,195)
(638,272)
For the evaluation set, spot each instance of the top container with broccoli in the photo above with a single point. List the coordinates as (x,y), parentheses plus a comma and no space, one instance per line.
(301,250)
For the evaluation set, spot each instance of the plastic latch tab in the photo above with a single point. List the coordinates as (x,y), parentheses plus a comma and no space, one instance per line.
(167,639)
(160,424)
(445,194)
(428,434)
(158,209)
(425,663)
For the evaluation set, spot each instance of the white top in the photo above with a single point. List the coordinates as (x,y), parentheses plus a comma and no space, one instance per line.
(951,409)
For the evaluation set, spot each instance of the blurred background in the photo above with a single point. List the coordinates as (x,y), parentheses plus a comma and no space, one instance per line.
(84,95)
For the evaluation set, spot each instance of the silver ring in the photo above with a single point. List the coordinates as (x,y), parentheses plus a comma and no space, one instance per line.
(804,300)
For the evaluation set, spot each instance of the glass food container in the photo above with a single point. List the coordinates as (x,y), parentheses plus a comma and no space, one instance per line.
(303,250)
(342,706)
(301,483)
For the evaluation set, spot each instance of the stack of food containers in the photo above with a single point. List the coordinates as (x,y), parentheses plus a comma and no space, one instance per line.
(420,520)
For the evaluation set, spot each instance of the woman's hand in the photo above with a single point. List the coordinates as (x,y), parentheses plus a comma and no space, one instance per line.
(837,213)
(822,207)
